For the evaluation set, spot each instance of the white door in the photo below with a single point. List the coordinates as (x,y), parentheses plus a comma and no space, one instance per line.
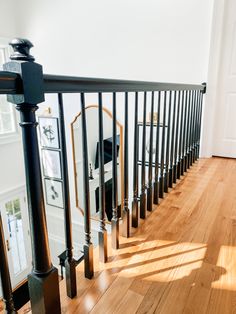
(17,237)
(224,136)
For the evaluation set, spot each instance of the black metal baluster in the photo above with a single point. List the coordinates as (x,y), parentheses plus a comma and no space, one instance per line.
(189,128)
(198,125)
(43,274)
(180,138)
(188,143)
(195,126)
(115,218)
(102,233)
(88,246)
(149,189)
(171,171)
(69,262)
(183,133)
(175,167)
(156,182)
(5,274)
(126,211)
(166,178)
(200,118)
(192,128)
(161,184)
(143,198)
(184,154)
(135,205)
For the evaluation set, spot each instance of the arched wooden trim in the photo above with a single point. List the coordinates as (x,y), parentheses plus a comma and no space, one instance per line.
(120,154)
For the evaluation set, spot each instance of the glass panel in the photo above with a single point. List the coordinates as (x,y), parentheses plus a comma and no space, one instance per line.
(15,228)
(9,208)
(16,204)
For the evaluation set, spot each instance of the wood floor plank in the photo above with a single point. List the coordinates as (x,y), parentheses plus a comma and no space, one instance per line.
(182,259)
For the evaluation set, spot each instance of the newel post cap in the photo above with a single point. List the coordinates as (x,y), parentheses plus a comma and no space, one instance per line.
(21,49)
(205,87)
(31,73)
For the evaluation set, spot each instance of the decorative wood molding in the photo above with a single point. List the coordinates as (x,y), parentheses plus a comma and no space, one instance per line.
(120,156)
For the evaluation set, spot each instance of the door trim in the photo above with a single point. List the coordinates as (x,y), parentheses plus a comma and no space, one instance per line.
(212,78)
(17,191)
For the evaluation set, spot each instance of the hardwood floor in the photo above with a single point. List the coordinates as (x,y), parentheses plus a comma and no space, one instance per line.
(181,260)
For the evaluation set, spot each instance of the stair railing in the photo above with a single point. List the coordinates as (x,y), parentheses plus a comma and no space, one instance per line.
(174,142)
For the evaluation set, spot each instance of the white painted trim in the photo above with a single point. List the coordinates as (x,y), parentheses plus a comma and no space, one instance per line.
(10,139)
(12,191)
(212,82)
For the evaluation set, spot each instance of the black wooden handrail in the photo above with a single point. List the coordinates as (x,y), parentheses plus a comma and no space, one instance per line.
(10,83)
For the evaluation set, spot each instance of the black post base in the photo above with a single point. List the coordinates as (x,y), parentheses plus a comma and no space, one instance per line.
(166,182)
(194,154)
(156,193)
(71,288)
(185,163)
(198,151)
(178,170)
(135,213)
(149,198)
(125,223)
(9,307)
(102,242)
(182,167)
(115,233)
(44,293)
(88,261)
(143,205)
(174,174)
(190,158)
(171,177)
(161,187)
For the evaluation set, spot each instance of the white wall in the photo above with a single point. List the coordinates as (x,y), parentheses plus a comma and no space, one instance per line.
(7,18)
(165,40)
(11,166)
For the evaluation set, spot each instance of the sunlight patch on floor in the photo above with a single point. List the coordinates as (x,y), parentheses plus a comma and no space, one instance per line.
(165,260)
(226,275)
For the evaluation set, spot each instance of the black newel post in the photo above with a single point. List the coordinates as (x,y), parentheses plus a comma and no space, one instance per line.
(5,275)
(43,280)
(70,262)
